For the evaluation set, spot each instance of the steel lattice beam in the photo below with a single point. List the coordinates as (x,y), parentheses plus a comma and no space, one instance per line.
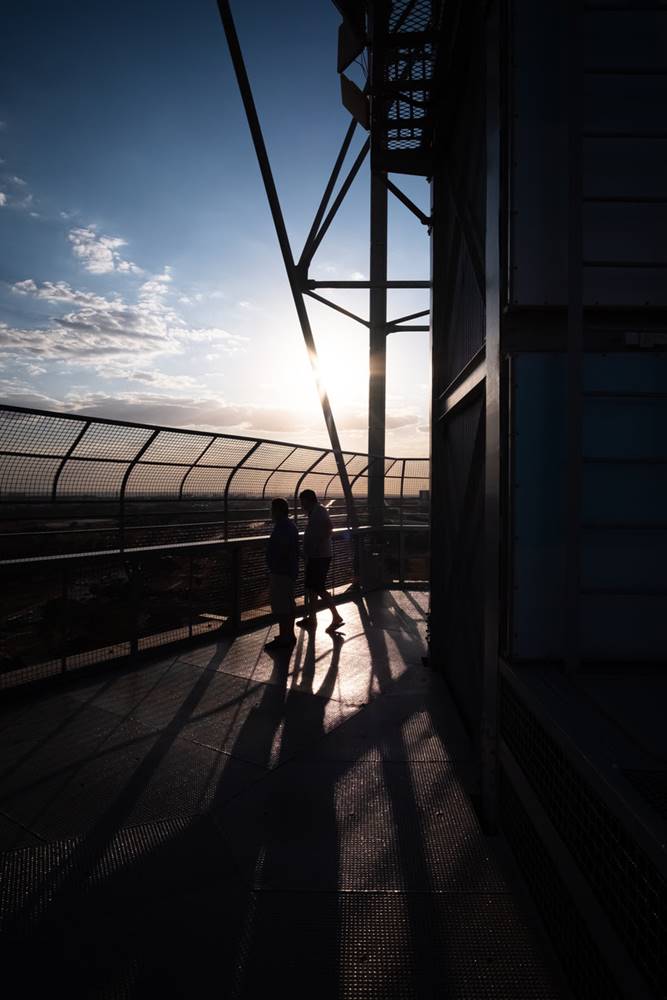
(293,273)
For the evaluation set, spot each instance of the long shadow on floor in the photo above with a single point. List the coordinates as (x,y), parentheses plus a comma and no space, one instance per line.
(350,865)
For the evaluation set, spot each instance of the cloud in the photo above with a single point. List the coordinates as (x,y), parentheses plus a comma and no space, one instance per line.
(186,411)
(192,297)
(96,329)
(60,291)
(15,392)
(100,254)
(3,198)
(208,412)
(18,181)
(152,377)
(154,290)
(357,419)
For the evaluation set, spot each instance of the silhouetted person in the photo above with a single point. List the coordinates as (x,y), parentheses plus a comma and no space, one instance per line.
(317,551)
(282,556)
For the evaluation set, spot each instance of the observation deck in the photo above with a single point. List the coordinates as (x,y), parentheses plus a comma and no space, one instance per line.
(223,820)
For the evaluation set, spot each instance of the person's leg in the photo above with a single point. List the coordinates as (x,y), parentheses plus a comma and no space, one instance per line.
(309,619)
(282,605)
(328,601)
(286,628)
(287,620)
(310,607)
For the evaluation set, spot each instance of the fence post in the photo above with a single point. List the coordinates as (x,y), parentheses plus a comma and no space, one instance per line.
(356,561)
(190,597)
(401,535)
(133,610)
(229,482)
(126,475)
(236,587)
(65,621)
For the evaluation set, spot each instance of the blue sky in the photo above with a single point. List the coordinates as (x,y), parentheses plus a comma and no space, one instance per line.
(140,276)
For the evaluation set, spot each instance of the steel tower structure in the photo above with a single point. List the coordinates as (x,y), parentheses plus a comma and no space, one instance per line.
(393,108)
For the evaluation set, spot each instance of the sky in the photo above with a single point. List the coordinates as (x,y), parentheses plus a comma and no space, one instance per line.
(140,274)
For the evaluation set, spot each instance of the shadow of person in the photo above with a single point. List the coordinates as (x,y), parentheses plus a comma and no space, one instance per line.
(283,832)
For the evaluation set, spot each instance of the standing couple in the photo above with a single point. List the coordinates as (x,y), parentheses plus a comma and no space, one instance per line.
(282,557)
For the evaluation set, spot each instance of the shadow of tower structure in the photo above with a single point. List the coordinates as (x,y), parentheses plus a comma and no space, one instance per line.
(235,818)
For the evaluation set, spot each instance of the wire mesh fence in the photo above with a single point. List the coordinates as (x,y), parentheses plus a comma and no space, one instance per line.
(70,484)
(118,538)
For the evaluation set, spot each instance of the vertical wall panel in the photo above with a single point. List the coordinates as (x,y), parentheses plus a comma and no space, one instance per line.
(624,103)
(624,541)
(458,332)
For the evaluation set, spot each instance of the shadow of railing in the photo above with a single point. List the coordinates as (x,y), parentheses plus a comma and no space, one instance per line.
(289,834)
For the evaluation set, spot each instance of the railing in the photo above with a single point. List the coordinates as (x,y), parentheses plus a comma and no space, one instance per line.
(119,537)
(71,483)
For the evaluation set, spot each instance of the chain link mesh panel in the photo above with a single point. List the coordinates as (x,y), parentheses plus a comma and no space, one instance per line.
(37,433)
(113,443)
(91,479)
(120,537)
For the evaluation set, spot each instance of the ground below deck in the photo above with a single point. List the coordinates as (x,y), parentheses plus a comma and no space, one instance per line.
(226,820)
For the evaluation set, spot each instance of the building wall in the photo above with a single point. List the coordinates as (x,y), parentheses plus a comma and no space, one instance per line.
(458,334)
(548,522)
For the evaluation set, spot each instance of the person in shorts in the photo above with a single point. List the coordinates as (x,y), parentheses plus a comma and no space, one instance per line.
(317,551)
(282,557)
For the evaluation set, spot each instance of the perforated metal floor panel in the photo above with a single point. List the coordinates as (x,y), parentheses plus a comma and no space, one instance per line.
(208,833)
(379,946)
(652,785)
(411,727)
(382,826)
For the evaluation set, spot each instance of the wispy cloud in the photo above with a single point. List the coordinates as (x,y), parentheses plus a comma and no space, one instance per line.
(153,377)
(100,254)
(96,329)
(60,291)
(350,419)
(16,194)
(194,298)
(190,411)
(3,198)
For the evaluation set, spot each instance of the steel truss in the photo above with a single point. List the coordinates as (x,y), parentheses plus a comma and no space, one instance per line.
(400,38)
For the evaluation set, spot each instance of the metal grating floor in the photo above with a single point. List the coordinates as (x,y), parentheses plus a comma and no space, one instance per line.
(227,820)
(652,785)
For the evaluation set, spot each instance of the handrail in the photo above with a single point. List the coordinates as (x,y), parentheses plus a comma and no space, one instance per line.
(213,543)
(53,460)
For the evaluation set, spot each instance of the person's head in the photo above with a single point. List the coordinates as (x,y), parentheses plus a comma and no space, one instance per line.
(279,509)
(308,500)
